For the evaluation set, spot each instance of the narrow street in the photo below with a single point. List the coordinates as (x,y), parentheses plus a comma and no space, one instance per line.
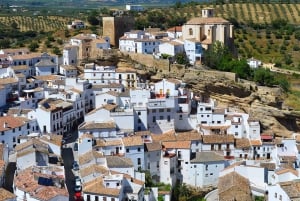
(67,155)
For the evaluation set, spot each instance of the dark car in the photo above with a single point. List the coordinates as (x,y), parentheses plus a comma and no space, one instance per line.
(75,166)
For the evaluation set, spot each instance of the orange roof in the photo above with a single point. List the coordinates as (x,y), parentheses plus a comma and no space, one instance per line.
(286,170)
(132,141)
(177,145)
(256,142)
(176,28)
(207,20)
(10,122)
(167,136)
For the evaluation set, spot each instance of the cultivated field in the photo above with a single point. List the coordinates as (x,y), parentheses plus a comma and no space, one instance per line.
(37,23)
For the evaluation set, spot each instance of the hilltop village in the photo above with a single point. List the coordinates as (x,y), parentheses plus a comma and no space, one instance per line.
(97,131)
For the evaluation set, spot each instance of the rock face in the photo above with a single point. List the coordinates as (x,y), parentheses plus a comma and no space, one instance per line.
(265,107)
(262,103)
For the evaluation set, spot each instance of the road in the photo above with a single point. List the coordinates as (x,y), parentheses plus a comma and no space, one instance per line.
(212,196)
(67,155)
(68,158)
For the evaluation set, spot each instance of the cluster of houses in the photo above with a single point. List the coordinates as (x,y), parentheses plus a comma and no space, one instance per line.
(125,126)
(190,39)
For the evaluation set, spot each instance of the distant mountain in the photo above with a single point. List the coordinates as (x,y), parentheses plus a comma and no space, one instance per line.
(79,3)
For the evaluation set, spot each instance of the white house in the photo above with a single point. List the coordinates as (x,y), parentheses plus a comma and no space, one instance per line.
(286,191)
(68,70)
(175,32)
(204,169)
(13,127)
(70,55)
(254,63)
(134,147)
(171,48)
(39,184)
(119,164)
(45,66)
(152,156)
(76,24)
(193,50)
(131,7)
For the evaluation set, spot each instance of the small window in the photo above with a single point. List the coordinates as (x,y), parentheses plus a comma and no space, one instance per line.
(154,111)
(190,31)
(236,126)
(161,110)
(139,113)
(139,149)
(127,150)
(168,110)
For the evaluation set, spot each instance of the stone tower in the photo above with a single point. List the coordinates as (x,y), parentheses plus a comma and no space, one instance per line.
(115,27)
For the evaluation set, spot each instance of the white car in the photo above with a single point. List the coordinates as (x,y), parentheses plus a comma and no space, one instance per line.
(78,186)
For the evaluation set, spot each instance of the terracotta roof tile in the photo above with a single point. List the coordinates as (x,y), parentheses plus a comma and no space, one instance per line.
(177,144)
(190,135)
(132,141)
(256,142)
(20,67)
(286,170)
(96,187)
(52,138)
(93,169)
(207,156)
(218,139)
(87,157)
(108,142)
(9,80)
(10,122)
(26,180)
(242,143)
(233,185)
(6,195)
(97,125)
(167,136)
(153,146)
(208,20)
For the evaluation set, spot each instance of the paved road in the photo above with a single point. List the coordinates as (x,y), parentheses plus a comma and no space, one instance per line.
(67,155)
(212,196)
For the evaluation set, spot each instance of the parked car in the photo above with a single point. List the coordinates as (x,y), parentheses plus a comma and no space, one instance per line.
(77,187)
(75,165)
(75,148)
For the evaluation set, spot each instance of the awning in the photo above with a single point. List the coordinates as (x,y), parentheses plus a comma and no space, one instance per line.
(266,137)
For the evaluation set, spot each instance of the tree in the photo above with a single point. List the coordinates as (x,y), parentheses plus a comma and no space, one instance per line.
(56,50)
(14,25)
(263,77)
(93,18)
(181,58)
(5,43)
(33,46)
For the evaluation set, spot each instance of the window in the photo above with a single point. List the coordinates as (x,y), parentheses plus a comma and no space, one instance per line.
(168,110)
(14,130)
(154,111)
(169,118)
(107,184)
(2,132)
(275,195)
(236,133)
(161,110)
(96,198)
(14,139)
(139,113)
(139,161)
(218,122)
(206,167)
(180,117)
(153,119)
(280,197)
(88,198)
(208,115)
(139,121)
(190,31)
(139,149)
(161,117)
(236,126)
(127,150)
